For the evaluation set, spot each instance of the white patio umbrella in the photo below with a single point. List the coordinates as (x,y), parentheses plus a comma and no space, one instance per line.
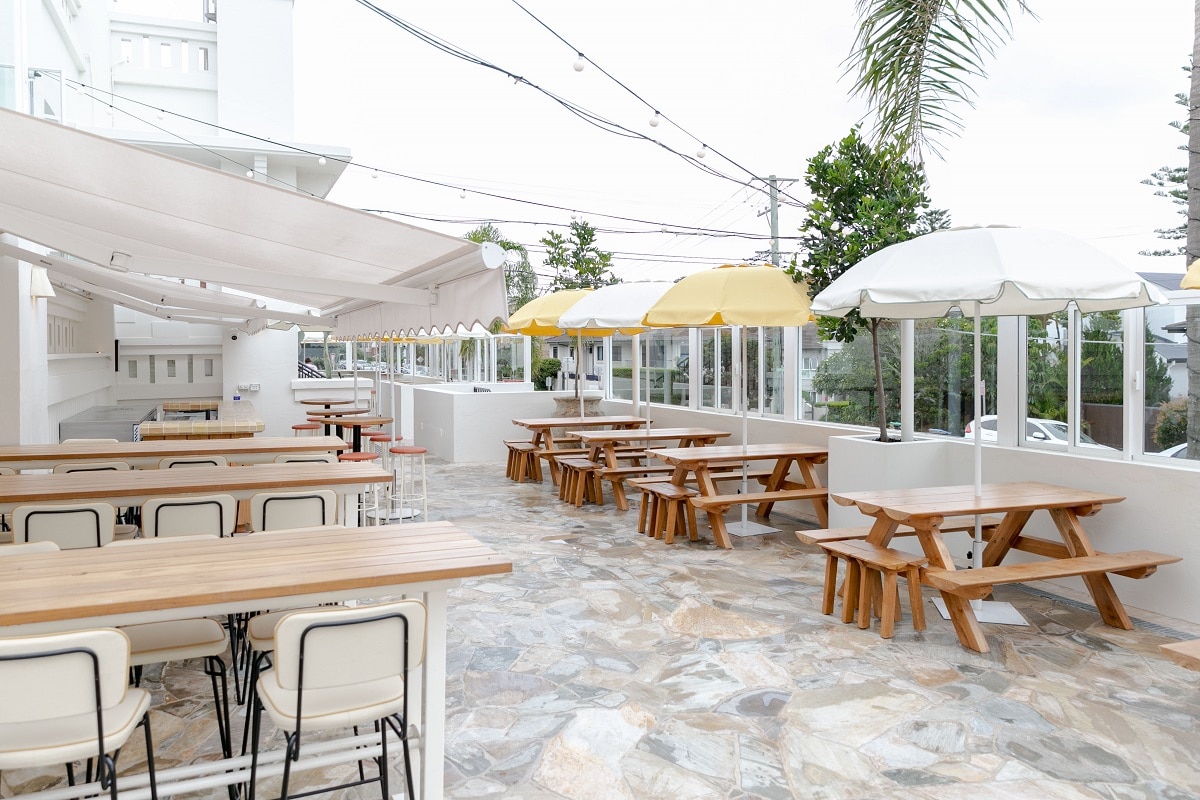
(618,307)
(994,270)
(741,295)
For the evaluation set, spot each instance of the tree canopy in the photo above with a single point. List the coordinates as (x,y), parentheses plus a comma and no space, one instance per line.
(577,261)
(519,276)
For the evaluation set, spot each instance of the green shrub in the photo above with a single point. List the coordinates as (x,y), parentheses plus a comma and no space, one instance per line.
(546,368)
(622,372)
(1171,426)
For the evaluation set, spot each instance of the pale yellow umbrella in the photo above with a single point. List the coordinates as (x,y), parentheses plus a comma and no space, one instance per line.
(1192,279)
(539,317)
(742,295)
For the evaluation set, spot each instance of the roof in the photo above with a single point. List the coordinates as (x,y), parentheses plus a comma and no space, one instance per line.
(110,208)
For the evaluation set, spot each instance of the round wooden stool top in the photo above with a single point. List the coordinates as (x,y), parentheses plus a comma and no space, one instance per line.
(407,450)
(356,456)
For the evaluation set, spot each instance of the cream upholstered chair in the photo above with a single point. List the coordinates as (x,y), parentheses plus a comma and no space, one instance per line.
(341,668)
(272,511)
(28,548)
(182,516)
(125,529)
(306,458)
(69,525)
(65,697)
(5,528)
(183,639)
(171,462)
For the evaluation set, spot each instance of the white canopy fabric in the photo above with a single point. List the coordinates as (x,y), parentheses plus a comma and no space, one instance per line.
(619,306)
(1011,271)
(126,209)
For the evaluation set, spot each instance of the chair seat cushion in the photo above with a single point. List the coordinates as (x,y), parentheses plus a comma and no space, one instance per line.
(260,631)
(73,738)
(174,640)
(335,707)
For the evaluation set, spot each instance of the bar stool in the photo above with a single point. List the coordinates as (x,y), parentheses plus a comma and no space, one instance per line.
(408,465)
(365,506)
(312,428)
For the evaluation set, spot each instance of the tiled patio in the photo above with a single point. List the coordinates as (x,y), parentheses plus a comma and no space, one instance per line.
(613,666)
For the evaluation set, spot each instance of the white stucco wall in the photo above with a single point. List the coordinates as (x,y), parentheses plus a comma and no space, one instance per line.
(269,360)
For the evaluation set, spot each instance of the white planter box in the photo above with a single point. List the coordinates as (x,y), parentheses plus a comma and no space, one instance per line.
(858,463)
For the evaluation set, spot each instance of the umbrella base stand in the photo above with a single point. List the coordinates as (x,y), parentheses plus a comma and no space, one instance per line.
(990,611)
(746,528)
(395,513)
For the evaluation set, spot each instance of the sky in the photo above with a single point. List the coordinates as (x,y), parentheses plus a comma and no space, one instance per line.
(1073,114)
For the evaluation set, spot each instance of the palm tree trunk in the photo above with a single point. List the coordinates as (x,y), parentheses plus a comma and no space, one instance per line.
(881,409)
(1192,251)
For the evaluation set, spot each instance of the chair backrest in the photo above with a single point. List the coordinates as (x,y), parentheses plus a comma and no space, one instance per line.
(191,537)
(306,458)
(92,466)
(82,441)
(28,547)
(181,516)
(170,462)
(55,675)
(272,511)
(70,526)
(346,646)
(7,471)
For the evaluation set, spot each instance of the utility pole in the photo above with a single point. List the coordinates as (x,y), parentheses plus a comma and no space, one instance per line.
(772,213)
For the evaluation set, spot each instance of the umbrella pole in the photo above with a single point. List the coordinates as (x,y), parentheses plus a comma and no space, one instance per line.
(578,366)
(745,527)
(636,392)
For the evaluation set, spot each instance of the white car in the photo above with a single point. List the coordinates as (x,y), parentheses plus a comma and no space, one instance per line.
(1036,430)
(1178,451)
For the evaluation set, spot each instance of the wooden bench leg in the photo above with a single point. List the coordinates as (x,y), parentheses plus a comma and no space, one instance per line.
(643,509)
(831,570)
(693,531)
(915,601)
(887,613)
(850,596)
(865,592)
(671,521)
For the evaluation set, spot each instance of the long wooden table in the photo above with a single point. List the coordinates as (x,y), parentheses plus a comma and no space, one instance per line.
(543,430)
(74,589)
(925,508)
(603,447)
(143,455)
(134,487)
(698,461)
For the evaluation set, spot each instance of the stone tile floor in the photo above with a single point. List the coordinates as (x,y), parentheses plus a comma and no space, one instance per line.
(609,665)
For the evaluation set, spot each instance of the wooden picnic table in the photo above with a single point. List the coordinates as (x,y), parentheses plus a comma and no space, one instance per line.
(699,461)
(603,448)
(176,579)
(925,508)
(543,430)
(146,455)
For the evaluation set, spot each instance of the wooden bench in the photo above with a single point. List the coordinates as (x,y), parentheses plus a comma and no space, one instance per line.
(1186,654)
(872,574)
(950,525)
(523,461)
(975,584)
(720,503)
(658,514)
(579,481)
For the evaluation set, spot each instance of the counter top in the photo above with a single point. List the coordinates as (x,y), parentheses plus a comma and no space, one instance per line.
(234,419)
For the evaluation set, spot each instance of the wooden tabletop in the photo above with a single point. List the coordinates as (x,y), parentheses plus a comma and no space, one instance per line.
(906,504)
(133,487)
(360,422)
(331,413)
(252,449)
(642,435)
(326,401)
(736,453)
(104,582)
(578,422)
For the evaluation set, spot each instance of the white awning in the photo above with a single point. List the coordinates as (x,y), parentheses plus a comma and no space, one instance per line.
(121,208)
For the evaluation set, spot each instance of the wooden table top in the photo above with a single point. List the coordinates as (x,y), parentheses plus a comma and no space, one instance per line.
(331,413)
(935,501)
(643,435)
(326,401)
(578,422)
(132,487)
(83,584)
(148,454)
(734,453)
(360,422)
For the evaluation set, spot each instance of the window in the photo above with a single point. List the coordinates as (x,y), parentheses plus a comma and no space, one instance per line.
(208,367)
(132,369)
(183,56)
(126,53)
(599,352)
(202,59)
(170,368)
(617,353)
(164,55)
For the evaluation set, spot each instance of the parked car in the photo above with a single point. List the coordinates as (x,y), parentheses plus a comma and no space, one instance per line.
(1178,451)
(1036,430)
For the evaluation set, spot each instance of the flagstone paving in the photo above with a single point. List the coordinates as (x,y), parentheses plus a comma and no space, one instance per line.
(609,665)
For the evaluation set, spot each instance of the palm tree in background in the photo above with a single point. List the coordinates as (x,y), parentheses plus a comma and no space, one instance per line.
(914,62)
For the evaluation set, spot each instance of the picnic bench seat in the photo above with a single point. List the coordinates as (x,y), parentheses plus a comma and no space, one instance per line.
(975,584)
(1185,654)
(578,481)
(720,503)
(872,574)
(658,514)
(522,460)
(950,525)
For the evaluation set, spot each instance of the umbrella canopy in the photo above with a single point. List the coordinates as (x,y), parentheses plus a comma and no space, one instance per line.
(539,317)
(733,295)
(1011,271)
(619,306)
(1192,279)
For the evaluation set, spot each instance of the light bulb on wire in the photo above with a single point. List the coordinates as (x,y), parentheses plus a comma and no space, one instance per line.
(578,65)
(321,161)
(249,173)
(654,120)
(702,152)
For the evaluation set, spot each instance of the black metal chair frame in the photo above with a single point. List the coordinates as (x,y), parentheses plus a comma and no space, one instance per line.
(182,502)
(266,504)
(397,722)
(41,511)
